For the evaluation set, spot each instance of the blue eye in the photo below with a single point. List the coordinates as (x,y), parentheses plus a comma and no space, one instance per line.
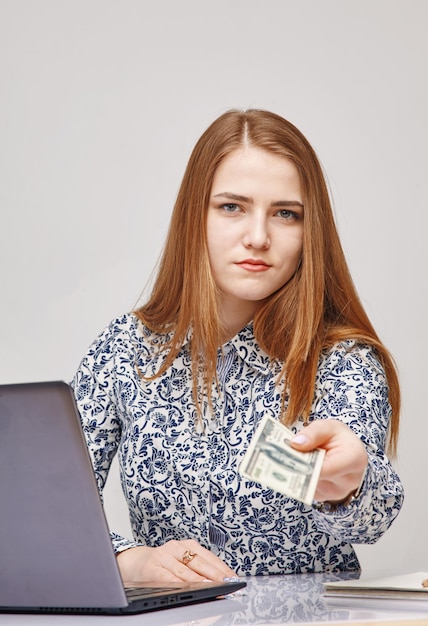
(287,214)
(230,207)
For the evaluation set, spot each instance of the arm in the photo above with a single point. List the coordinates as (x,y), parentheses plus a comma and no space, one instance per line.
(102,414)
(93,386)
(352,402)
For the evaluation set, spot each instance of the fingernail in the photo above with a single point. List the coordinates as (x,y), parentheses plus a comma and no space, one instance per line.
(231,579)
(300,439)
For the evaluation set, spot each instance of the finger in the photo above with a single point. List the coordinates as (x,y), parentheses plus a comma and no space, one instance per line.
(203,565)
(171,568)
(317,434)
(209,570)
(207,564)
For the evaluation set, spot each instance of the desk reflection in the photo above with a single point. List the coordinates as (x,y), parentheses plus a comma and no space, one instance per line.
(284,599)
(292,599)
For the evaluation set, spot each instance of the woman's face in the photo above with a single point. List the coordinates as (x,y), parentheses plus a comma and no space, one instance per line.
(254,230)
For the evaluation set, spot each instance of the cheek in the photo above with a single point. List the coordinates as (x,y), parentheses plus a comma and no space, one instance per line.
(212,235)
(212,247)
(217,240)
(293,249)
(215,251)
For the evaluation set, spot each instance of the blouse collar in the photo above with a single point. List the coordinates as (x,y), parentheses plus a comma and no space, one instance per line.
(247,348)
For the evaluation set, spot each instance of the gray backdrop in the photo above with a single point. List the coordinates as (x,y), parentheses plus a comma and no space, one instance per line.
(102,101)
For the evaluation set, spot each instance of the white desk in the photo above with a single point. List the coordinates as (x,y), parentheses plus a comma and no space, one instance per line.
(266,600)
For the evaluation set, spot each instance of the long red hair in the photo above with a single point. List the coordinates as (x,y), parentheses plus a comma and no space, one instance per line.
(318,307)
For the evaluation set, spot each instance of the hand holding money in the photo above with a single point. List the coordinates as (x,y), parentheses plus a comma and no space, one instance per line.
(271,461)
(324,461)
(345,459)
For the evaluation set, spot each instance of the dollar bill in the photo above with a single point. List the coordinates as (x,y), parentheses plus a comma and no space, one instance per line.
(272,462)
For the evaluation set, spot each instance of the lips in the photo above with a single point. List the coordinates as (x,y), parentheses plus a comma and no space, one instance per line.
(254,265)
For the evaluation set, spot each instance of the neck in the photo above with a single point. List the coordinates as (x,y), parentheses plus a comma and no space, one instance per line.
(233,320)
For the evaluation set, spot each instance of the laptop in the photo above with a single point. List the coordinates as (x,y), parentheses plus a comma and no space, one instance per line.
(56,554)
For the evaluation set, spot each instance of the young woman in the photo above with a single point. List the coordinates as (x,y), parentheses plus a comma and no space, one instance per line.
(253,313)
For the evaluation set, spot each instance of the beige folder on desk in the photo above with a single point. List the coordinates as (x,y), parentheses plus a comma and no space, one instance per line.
(382,622)
(403,587)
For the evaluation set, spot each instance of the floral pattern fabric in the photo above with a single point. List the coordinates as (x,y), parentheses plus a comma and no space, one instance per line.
(180,473)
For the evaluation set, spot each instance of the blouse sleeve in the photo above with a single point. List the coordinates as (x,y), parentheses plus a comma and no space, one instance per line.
(352,388)
(94,391)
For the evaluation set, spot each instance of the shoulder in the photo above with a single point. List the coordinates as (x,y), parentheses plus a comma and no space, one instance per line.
(125,333)
(349,359)
(123,344)
(351,385)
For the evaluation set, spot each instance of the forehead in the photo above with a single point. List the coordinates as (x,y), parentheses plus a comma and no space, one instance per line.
(254,169)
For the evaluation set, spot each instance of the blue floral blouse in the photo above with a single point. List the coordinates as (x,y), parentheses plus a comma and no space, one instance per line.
(180,474)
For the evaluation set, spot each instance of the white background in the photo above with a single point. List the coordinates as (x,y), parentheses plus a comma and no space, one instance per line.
(101,102)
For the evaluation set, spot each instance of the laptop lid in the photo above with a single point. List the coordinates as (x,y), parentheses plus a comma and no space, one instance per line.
(56,548)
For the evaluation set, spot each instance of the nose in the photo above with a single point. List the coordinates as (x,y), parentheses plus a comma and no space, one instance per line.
(256,234)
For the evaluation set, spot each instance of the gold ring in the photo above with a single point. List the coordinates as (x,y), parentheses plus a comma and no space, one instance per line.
(188,556)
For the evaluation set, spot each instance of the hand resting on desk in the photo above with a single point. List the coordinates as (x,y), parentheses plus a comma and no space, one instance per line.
(165,563)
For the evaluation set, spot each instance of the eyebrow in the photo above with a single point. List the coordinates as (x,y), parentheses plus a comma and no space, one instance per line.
(239,198)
